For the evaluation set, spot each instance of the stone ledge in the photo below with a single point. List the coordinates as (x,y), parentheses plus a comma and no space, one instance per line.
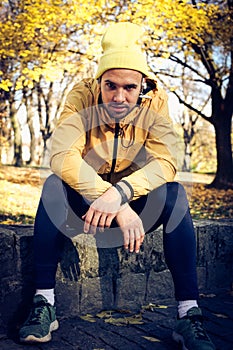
(105,278)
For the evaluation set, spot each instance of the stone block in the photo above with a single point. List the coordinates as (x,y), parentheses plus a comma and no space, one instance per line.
(97,273)
(8,262)
(202,278)
(215,252)
(159,286)
(130,291)
(96,294)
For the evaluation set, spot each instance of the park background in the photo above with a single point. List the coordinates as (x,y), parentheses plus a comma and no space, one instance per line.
(47,46)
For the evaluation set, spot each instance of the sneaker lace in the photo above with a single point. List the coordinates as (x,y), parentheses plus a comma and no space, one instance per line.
(37,313)
(196,323)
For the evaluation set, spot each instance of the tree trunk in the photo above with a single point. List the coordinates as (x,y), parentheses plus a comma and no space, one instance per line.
(4,131)
(186,166)
(17,160)
(28,100)
(33,159)
(224,174)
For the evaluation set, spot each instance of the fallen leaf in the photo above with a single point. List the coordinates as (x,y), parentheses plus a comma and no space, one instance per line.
(152,339)
(152,306)
(104,314)
(88,318)
(211,295)
(220,315)
(123,321)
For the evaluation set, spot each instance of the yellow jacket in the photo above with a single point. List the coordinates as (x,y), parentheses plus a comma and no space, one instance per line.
(90,151)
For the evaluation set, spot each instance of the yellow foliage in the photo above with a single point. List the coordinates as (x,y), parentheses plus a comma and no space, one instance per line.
(35,39)
(41,38)
(5,84)
(169,20)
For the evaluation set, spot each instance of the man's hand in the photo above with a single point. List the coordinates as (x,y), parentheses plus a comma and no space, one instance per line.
(132,228)
(102,211)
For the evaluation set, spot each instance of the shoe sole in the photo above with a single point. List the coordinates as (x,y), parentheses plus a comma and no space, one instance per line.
(179,339)
(32,339)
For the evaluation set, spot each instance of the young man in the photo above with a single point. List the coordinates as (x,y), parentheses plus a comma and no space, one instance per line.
(113,162)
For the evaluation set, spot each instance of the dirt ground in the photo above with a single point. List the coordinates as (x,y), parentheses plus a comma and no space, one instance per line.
(20,190)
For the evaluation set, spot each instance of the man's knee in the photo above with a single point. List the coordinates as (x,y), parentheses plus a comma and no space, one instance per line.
(176,205)
(175,188)
(173,195)
(53,189)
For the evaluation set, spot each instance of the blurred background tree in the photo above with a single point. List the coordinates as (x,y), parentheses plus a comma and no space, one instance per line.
(41,44)
(47,45)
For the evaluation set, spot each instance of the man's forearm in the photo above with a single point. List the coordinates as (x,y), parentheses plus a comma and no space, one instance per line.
(79,175)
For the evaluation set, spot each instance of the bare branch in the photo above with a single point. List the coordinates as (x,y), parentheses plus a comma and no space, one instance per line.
(186,65)
(189,106)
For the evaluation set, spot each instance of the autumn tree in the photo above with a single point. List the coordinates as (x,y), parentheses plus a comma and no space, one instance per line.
(40,42)
(196,35)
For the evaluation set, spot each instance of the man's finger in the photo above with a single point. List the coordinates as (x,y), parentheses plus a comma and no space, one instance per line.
(102,222)
(131,240)
(137,240)
(142,234)
(88,218)
(109,220)
(126,239)
(94,222)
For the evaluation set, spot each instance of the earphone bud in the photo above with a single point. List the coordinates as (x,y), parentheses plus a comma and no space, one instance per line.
(144,84)
(143,91)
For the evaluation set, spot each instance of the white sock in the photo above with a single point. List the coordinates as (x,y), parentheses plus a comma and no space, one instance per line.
(48,294)
(184,306)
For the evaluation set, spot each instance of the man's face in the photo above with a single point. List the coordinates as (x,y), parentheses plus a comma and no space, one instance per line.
(120,89)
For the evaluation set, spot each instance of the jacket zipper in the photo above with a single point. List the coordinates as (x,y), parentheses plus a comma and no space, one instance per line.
(115,147)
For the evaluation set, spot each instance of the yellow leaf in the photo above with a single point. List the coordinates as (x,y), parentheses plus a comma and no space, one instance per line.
(152,306)
(165,54)
(5,84)
(88,318)
(104,314)
(123,321)
(152,339)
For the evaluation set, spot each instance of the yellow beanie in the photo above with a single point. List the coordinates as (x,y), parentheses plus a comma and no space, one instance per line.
(122,49)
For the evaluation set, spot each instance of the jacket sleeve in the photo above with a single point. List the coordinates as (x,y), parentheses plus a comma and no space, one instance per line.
(68,141)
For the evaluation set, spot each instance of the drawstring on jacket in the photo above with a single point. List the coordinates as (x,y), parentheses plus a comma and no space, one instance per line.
(132,135)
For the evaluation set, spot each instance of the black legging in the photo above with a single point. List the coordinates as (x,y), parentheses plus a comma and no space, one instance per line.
(166,205)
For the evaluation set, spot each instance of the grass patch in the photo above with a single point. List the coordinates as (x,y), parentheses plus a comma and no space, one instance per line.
(20,190)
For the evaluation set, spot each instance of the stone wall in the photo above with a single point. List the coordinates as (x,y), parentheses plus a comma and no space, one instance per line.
(91,278)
